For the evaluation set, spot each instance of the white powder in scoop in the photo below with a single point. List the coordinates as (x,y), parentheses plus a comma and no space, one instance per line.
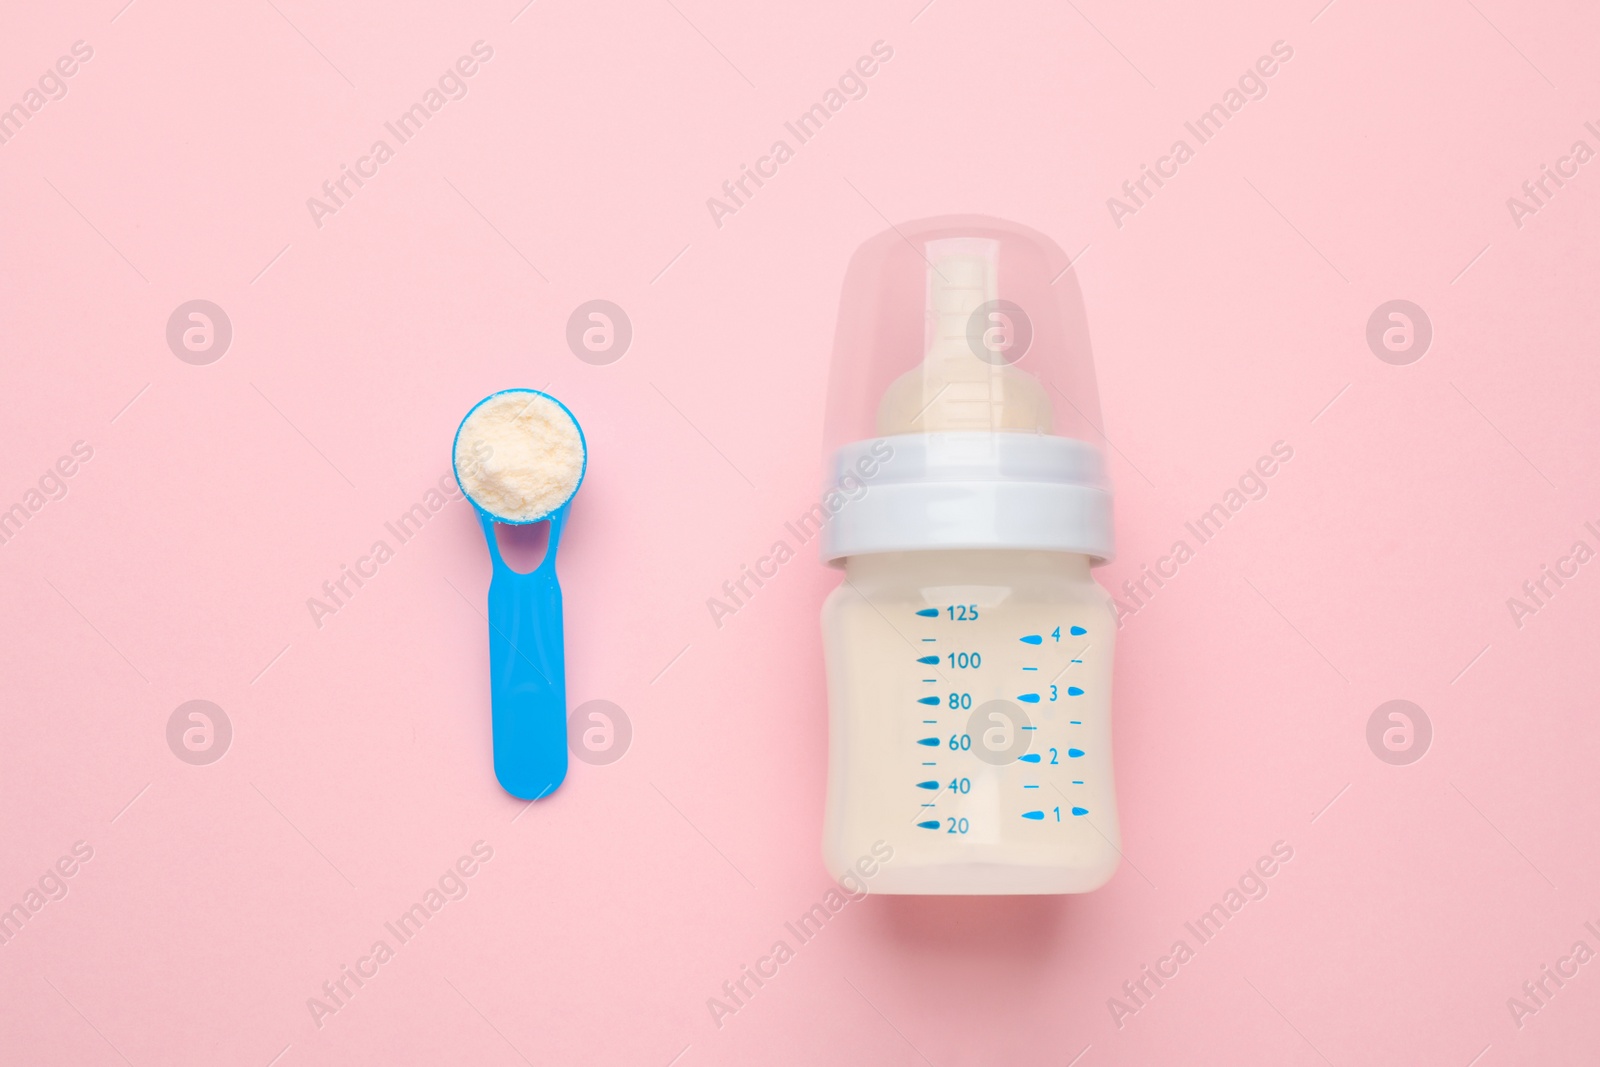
(519,456)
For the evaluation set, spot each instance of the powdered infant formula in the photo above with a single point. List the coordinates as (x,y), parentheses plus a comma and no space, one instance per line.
(519,456)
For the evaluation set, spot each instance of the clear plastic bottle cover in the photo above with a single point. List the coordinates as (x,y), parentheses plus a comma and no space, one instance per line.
(962,396)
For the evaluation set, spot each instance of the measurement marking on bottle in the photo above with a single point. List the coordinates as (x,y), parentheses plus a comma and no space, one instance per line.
(935,696)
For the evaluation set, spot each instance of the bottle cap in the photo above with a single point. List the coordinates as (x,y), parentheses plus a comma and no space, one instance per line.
(962,409)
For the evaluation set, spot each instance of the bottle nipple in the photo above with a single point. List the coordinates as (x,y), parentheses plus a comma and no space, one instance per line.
(966,380)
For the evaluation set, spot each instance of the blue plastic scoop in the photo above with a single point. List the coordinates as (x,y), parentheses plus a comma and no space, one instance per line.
(527,661)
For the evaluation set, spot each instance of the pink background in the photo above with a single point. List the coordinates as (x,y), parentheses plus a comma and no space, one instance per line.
(1228,314)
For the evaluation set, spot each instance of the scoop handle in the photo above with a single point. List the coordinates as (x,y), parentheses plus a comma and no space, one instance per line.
(527,670)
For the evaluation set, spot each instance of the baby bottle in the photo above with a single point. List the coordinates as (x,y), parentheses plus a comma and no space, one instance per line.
(968,648)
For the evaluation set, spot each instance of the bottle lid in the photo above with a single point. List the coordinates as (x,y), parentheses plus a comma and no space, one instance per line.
(962,408)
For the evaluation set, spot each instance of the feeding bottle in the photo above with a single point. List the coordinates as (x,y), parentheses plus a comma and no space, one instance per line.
(968,648)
